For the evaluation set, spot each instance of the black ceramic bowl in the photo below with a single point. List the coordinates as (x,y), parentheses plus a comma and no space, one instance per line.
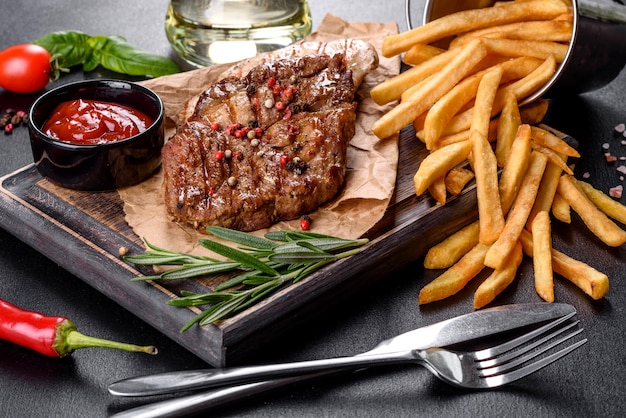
(103,166)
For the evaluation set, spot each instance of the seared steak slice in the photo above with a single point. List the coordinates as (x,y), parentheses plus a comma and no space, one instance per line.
(265,147)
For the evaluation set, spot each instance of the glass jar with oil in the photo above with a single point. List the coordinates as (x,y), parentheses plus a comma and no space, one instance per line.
(208,32)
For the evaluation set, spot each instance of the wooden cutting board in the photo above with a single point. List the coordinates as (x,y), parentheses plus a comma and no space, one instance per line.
(83,233)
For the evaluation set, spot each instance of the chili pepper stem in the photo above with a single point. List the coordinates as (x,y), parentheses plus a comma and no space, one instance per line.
(68,339)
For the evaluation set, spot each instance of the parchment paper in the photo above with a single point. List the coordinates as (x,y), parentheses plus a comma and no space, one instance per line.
(372,163)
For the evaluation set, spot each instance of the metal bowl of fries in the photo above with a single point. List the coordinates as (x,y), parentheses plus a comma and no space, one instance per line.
(592,57)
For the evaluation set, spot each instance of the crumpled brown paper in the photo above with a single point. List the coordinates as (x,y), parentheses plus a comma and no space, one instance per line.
(372,163)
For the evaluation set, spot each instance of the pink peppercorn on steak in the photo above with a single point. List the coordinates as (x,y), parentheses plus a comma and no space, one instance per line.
(268,145)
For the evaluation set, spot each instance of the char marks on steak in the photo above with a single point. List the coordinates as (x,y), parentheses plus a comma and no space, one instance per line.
(302,114)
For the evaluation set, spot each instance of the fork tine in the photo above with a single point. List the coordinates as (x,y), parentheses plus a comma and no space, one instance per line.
(503,379)
(511,344)
(510,355)
(500,367)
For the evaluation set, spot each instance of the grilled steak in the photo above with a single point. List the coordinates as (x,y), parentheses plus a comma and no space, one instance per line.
(267,146)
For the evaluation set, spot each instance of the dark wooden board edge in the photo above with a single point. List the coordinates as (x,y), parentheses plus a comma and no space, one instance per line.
(87,246)
(85,256)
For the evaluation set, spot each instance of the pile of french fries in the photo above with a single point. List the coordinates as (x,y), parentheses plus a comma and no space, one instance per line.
(464,102)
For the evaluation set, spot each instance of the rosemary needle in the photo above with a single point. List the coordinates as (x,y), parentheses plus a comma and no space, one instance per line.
(264,264)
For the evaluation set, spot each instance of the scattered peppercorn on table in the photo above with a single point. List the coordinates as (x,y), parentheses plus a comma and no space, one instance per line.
(589,382)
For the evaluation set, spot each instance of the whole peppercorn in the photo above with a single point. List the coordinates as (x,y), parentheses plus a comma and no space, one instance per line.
(305,223)
(5,119)
(218,155)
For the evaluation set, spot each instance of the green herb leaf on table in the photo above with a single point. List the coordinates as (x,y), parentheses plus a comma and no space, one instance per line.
(264,264)
(112,52)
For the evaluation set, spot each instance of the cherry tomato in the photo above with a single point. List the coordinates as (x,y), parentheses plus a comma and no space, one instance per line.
(24,68)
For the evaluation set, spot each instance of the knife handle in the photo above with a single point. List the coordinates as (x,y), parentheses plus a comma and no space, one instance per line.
(201,402)
(171,382)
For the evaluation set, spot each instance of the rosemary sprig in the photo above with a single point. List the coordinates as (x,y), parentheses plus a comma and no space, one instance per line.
(264,265)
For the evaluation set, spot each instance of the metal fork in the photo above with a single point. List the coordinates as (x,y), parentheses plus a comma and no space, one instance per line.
(483,369)
(504,363)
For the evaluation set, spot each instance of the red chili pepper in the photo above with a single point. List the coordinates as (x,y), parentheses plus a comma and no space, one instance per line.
(284,160)
(280,105)
(53,336)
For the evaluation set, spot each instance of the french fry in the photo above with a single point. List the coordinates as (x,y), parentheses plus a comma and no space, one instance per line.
(554,157)
(533,113)
(397,118)
(451,249)
(547,189)
(418,124)
(485,95)
(612,208)
(508,123)
(469,20)
(438,163)
(542,256)
(490,213)
(525,48)
(518,215)
(438,191)
(457,179)
(520,88)
(420,53)
(542,30)
(499,279)
(392,88)
(591,281)
(456,277)
(561,209)
(597,222)
(516,167)
(549,140)
(445,108)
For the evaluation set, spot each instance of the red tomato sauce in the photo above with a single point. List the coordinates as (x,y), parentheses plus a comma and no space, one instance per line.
(89,122)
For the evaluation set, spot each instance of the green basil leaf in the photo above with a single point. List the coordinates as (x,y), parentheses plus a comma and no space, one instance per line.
(120,56)
(72,46)
(96,43)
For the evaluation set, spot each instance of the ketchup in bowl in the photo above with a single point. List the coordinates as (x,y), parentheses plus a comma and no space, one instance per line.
(97,135)
(90,122)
